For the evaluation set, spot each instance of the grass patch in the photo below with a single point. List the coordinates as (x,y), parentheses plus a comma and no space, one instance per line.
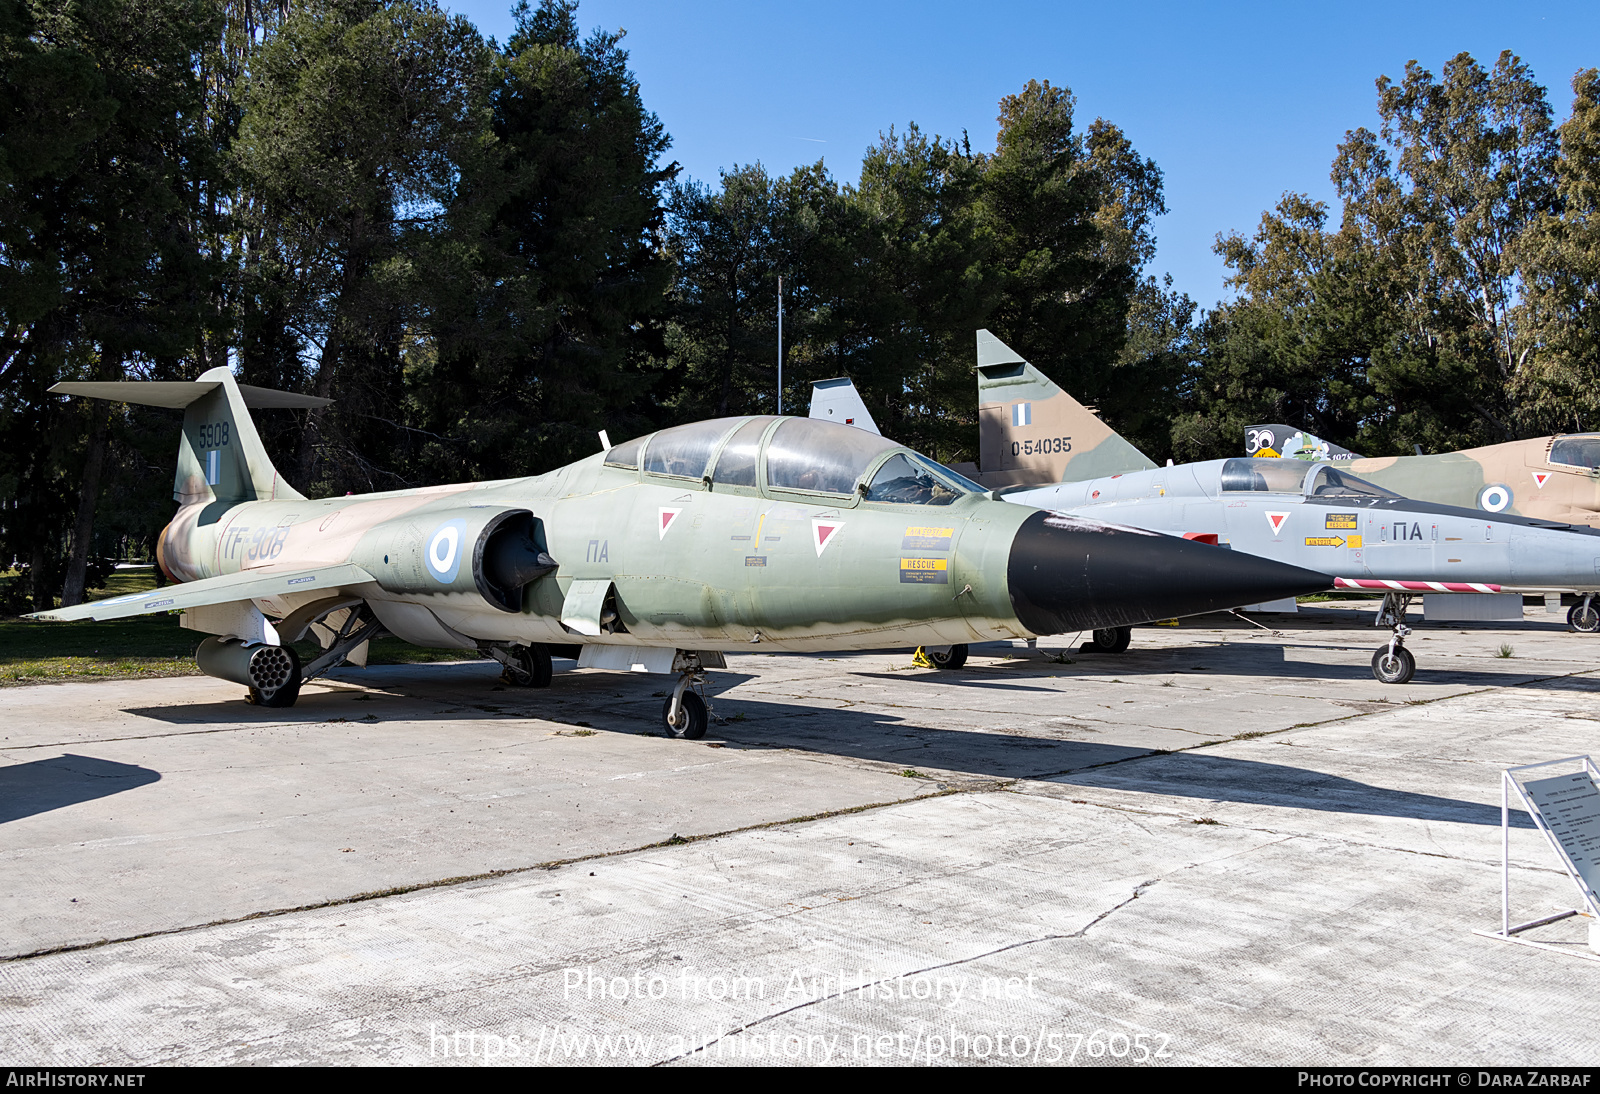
(1505,650)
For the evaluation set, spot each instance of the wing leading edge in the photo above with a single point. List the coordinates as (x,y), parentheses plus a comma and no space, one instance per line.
(247,585)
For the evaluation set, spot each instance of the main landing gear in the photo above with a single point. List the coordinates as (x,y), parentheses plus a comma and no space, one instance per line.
(685,713)
(1108,640)
(1583,616)
(524,666)
(939,657)
(1393,663)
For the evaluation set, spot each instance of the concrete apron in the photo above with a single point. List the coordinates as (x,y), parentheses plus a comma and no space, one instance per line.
(1023,861)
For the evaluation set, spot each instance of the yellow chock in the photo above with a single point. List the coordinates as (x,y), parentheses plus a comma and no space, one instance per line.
(1166,623)
(921,659)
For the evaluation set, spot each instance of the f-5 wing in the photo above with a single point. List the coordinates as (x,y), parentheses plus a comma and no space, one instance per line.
(245,585)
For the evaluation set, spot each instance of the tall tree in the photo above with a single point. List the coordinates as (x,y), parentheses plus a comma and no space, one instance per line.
(1561,385)
(113,219)
(557,229)
(358,117)
(1442,194)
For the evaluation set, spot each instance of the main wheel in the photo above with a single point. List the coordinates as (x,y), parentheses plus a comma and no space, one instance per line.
(1112,639)
(953,658)
(532,667)
(691,724)
(1584,617)
(1396,669)
(277,670)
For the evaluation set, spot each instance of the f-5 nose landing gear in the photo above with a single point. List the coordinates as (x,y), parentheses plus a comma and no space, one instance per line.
(1393,663)
(1583,616)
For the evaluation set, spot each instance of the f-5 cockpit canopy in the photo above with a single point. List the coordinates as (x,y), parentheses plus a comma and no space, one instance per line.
(1269,476)
(804,456)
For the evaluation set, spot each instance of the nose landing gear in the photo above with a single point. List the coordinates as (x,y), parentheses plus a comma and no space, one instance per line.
(1584,616)
(1393,663)
(685,712)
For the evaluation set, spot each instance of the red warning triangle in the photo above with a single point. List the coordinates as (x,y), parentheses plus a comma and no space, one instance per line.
(1540,477)
(823,533)
(1276,520)
(666,519)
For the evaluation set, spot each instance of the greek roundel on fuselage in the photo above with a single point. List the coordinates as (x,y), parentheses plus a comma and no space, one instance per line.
(444,551)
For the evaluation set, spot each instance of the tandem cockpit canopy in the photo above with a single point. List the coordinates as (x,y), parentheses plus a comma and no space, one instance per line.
(1577,450)
(804,456)
(1280,476)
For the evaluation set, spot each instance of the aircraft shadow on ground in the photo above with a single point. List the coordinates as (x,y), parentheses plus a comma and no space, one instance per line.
(445,692)
(42,785)
(867,736)
(427,695)
(1255,659)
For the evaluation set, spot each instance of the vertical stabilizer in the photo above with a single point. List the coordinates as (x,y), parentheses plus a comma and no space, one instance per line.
(837,400)
(1031,433)
(220,455)
(1290,443)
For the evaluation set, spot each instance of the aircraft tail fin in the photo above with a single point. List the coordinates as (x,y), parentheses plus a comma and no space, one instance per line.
(1291,443)
(1031,433)
(220,456)
(837,400)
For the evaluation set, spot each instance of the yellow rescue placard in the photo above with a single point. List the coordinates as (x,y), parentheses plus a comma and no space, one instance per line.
(925,571)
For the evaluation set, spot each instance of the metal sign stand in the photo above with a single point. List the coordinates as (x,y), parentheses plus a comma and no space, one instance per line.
(1508,932)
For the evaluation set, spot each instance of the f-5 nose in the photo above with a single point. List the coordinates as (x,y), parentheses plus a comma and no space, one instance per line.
(1070,574)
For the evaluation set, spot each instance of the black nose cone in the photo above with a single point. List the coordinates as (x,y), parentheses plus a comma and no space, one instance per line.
(1071,574)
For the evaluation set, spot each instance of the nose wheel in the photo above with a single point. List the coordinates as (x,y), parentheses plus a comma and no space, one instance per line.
(1393,663)
(685,714)
(1585,616)
(1395,666)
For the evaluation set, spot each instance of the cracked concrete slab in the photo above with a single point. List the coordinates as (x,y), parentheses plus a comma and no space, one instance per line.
(1027,861)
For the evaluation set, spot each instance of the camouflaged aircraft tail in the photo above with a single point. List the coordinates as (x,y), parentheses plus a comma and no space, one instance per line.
(1032,433)
(220,455)
(1291,443)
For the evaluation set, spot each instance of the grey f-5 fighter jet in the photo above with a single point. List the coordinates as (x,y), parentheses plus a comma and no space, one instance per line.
(1316,516)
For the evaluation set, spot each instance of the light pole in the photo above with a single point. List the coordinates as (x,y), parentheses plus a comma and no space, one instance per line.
(780,343)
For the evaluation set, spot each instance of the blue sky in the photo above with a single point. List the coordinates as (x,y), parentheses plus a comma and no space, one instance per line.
(1236,103)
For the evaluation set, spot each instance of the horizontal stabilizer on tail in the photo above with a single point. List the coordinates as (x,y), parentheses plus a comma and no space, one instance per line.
(220,457)
(246,585)
(837,400)
(178,394)
(1031,433)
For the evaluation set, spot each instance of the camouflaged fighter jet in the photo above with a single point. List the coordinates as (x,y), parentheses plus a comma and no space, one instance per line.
(1320,516)
(658,555)
(1547,478)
